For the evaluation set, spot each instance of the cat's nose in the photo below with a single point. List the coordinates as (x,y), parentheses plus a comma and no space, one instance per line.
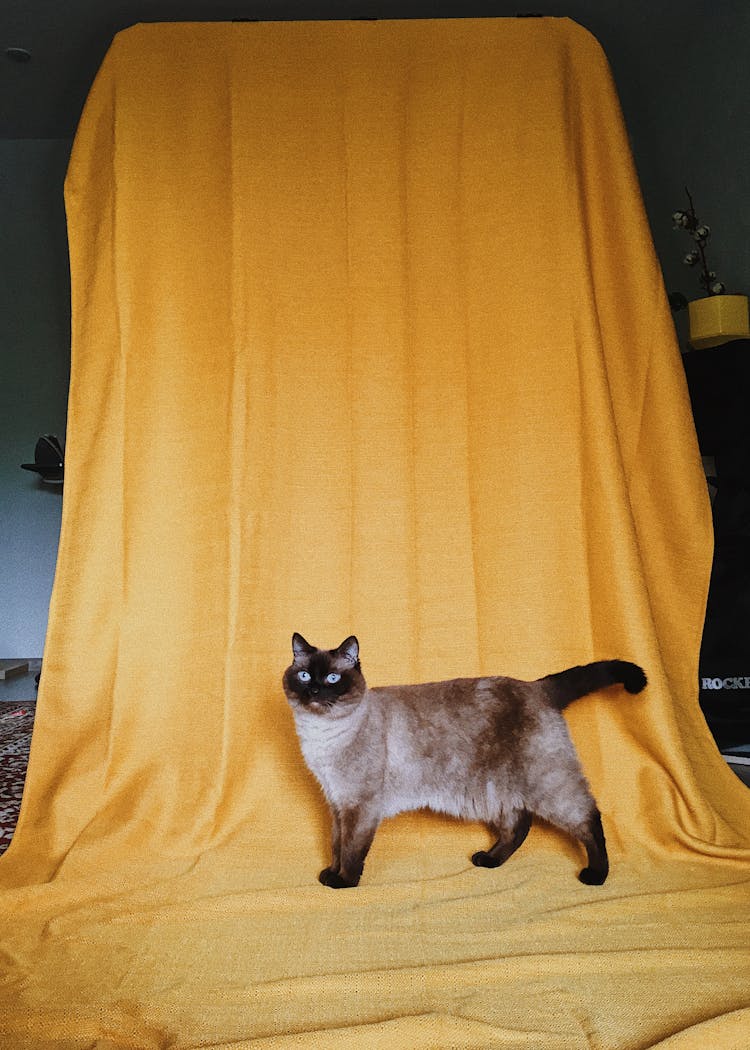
(314,690)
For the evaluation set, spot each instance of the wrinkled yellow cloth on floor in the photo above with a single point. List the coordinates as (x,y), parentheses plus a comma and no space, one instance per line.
(368,337)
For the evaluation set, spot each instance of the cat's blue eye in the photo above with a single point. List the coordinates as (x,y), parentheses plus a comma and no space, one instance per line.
(332,678)
(304,676)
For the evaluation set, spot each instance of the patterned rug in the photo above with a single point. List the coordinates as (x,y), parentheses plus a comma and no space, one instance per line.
(16,725)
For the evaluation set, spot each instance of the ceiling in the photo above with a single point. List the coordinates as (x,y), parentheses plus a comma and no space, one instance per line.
(67,39)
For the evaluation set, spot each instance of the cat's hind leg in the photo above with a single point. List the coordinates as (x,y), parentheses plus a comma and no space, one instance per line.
(586,826)
(510,836)
(592,837)
(561,795)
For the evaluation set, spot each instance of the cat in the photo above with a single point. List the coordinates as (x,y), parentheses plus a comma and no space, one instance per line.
(495,750)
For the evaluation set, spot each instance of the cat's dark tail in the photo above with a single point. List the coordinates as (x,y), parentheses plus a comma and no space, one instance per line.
(566,686)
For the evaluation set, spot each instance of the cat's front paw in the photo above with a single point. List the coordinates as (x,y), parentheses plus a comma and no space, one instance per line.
(482,859)
(331,878)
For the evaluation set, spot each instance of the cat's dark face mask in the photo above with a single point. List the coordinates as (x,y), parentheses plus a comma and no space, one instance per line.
(324,680)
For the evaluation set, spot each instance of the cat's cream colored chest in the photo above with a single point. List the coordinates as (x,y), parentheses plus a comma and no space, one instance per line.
(330,752)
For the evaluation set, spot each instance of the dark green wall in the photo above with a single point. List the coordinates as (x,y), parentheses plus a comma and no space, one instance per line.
(683,76)
(34,355)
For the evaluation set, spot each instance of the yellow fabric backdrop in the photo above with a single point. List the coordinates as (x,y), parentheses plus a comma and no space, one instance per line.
(368,335)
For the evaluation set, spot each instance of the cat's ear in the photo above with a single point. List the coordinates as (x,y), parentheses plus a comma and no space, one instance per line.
(349,649)
(300,647)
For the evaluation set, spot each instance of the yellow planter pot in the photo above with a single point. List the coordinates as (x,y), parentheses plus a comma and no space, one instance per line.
(718,319)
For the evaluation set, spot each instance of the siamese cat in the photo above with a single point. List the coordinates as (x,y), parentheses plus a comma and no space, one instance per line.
(495,750)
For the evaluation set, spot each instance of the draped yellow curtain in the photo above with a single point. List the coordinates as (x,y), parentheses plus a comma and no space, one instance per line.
(368,336)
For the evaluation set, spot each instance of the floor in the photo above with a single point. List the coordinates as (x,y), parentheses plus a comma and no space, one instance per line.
(17,711)
(16,724)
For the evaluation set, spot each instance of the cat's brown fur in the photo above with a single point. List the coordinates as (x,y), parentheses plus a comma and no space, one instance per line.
(495,750)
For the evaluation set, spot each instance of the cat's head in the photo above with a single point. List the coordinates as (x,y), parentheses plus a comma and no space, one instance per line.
(324,681)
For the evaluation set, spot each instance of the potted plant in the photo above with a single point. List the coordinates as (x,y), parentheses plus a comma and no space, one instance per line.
(717,317)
